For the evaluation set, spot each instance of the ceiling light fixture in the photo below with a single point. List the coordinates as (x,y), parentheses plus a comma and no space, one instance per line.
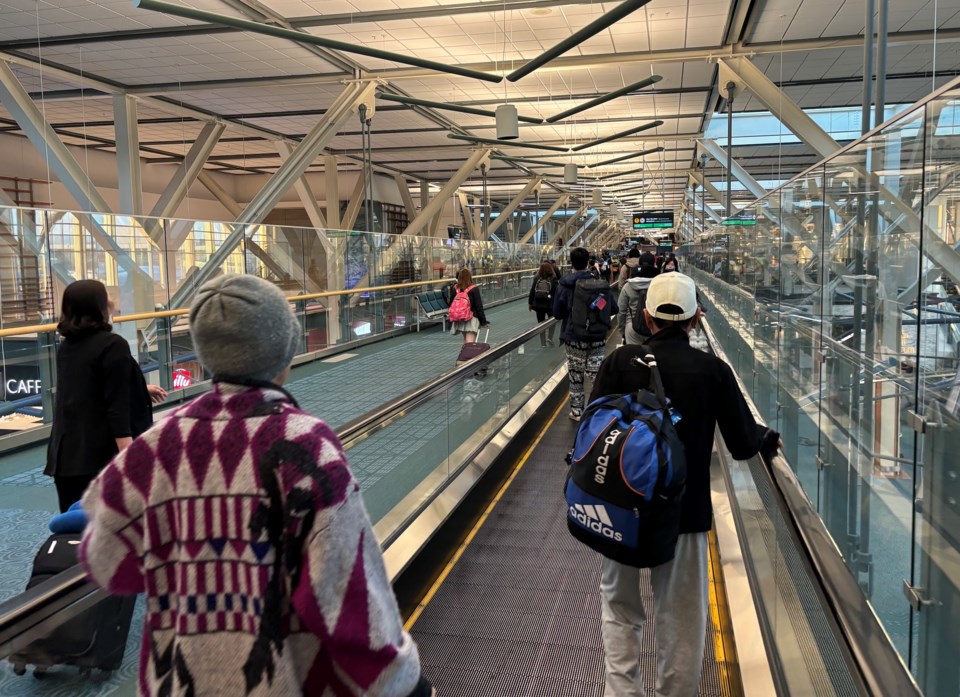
(595,27)
(569,174)
(508,127)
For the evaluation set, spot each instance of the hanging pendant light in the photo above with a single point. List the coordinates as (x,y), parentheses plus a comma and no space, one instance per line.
(596,198)
(508,127)
(569,174)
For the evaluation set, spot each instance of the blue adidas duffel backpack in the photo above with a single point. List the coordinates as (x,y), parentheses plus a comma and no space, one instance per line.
(627,474)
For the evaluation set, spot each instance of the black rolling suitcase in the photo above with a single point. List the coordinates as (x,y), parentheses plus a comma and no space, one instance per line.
(95,639)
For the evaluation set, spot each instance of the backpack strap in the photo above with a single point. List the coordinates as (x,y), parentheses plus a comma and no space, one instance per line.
(656,383)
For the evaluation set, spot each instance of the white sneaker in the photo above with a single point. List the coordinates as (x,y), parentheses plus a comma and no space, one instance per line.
(574,415)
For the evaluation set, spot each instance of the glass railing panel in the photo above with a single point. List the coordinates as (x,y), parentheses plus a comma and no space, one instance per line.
(934,586)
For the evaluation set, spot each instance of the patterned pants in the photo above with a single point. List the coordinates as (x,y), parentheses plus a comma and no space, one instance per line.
(583,362)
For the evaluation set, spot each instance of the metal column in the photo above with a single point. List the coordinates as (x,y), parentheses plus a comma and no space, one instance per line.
(332,177)
(307,197)
(562,201)
(128,154)
(513,205)
(435,206)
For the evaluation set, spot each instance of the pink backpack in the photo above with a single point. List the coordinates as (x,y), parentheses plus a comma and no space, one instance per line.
(460,307)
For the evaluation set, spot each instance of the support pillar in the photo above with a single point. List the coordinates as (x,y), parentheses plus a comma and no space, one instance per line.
(307,197)
(128,154)
(561,201)
(513,205)
(481,155)
(332,176)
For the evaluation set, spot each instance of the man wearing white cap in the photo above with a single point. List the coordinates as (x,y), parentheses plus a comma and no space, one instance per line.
(705,394)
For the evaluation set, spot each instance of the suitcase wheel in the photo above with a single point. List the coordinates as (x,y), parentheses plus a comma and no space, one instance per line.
(20,668)
(40,672)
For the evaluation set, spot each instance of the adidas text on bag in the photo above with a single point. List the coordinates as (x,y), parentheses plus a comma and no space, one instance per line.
(590,318)
(460,307)
(627,476)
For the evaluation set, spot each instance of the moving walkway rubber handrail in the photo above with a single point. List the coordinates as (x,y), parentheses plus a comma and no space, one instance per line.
(875,658)
(71,591)
(180,312)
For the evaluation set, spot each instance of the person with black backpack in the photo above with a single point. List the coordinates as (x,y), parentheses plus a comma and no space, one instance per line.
(633,295)
(586,307)
(703,393)
(542,293)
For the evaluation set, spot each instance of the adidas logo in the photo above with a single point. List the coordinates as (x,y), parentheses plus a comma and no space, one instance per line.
(595,518)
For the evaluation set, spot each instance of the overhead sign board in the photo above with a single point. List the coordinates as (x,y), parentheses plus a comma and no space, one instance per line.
(645,220)
(742,218)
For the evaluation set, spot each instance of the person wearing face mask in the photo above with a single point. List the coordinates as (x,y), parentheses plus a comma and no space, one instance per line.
(102,401)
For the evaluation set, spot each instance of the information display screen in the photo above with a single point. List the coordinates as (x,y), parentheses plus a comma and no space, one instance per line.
(645,220)
(742,218)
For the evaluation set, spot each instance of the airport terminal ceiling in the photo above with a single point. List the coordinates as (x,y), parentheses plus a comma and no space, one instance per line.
(72,55)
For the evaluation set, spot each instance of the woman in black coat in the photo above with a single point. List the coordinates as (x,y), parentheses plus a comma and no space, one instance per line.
(102,401)
(541,304)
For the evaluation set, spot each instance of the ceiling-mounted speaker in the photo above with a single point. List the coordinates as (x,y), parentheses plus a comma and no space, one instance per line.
(508,126)
(596,198)
(569,174)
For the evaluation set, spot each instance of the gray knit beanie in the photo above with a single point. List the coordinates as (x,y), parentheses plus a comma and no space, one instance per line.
(243,328)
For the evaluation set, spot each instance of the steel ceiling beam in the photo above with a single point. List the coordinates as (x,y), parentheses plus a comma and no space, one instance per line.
(604,98)
(604,21)
(447,106)
(507,212)
(625,157)
(436,204)
(280,182)
(713,149)
(313,39)
(589,221)
(561,201)
(302,22)
(126,136)
(179,185)
(304,191)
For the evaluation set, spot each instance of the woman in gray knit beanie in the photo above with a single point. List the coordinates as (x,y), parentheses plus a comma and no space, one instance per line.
(243,329)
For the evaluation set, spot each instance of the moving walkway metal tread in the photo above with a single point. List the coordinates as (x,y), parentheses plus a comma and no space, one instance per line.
(519,613)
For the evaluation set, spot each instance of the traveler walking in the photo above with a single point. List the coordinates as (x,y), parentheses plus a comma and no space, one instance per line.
(466,309)
(630,319)
(542,293)
(585,305)
(704,393)
(240,519)
(102,401)
(633,262)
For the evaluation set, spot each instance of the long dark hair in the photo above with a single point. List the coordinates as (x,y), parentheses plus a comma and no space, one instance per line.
(85,309)
(546,270)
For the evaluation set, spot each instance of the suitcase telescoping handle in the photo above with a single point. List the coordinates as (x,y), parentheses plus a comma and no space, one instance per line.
(486,338)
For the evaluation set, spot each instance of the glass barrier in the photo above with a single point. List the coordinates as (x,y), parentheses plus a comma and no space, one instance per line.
(151,264)
(835,298)
(400,466)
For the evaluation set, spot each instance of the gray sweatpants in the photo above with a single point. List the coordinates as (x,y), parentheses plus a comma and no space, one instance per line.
(680,610)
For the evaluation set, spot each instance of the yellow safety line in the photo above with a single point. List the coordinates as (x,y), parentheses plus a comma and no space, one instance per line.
(469,538)
(719,613)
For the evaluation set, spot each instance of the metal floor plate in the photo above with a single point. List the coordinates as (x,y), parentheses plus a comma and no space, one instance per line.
(519,613)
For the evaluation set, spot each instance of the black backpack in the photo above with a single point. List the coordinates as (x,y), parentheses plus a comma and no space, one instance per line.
(541,293)
(639,324)
(590,316)
(627,476)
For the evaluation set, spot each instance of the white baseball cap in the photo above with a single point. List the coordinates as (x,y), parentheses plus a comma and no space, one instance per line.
(672,296)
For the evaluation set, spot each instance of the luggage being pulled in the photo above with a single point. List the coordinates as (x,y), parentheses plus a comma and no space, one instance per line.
(472,349)
(95,639)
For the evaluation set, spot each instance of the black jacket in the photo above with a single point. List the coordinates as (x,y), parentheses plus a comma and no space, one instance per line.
(704,391)
(101,396)
(554,282)
(563,302)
